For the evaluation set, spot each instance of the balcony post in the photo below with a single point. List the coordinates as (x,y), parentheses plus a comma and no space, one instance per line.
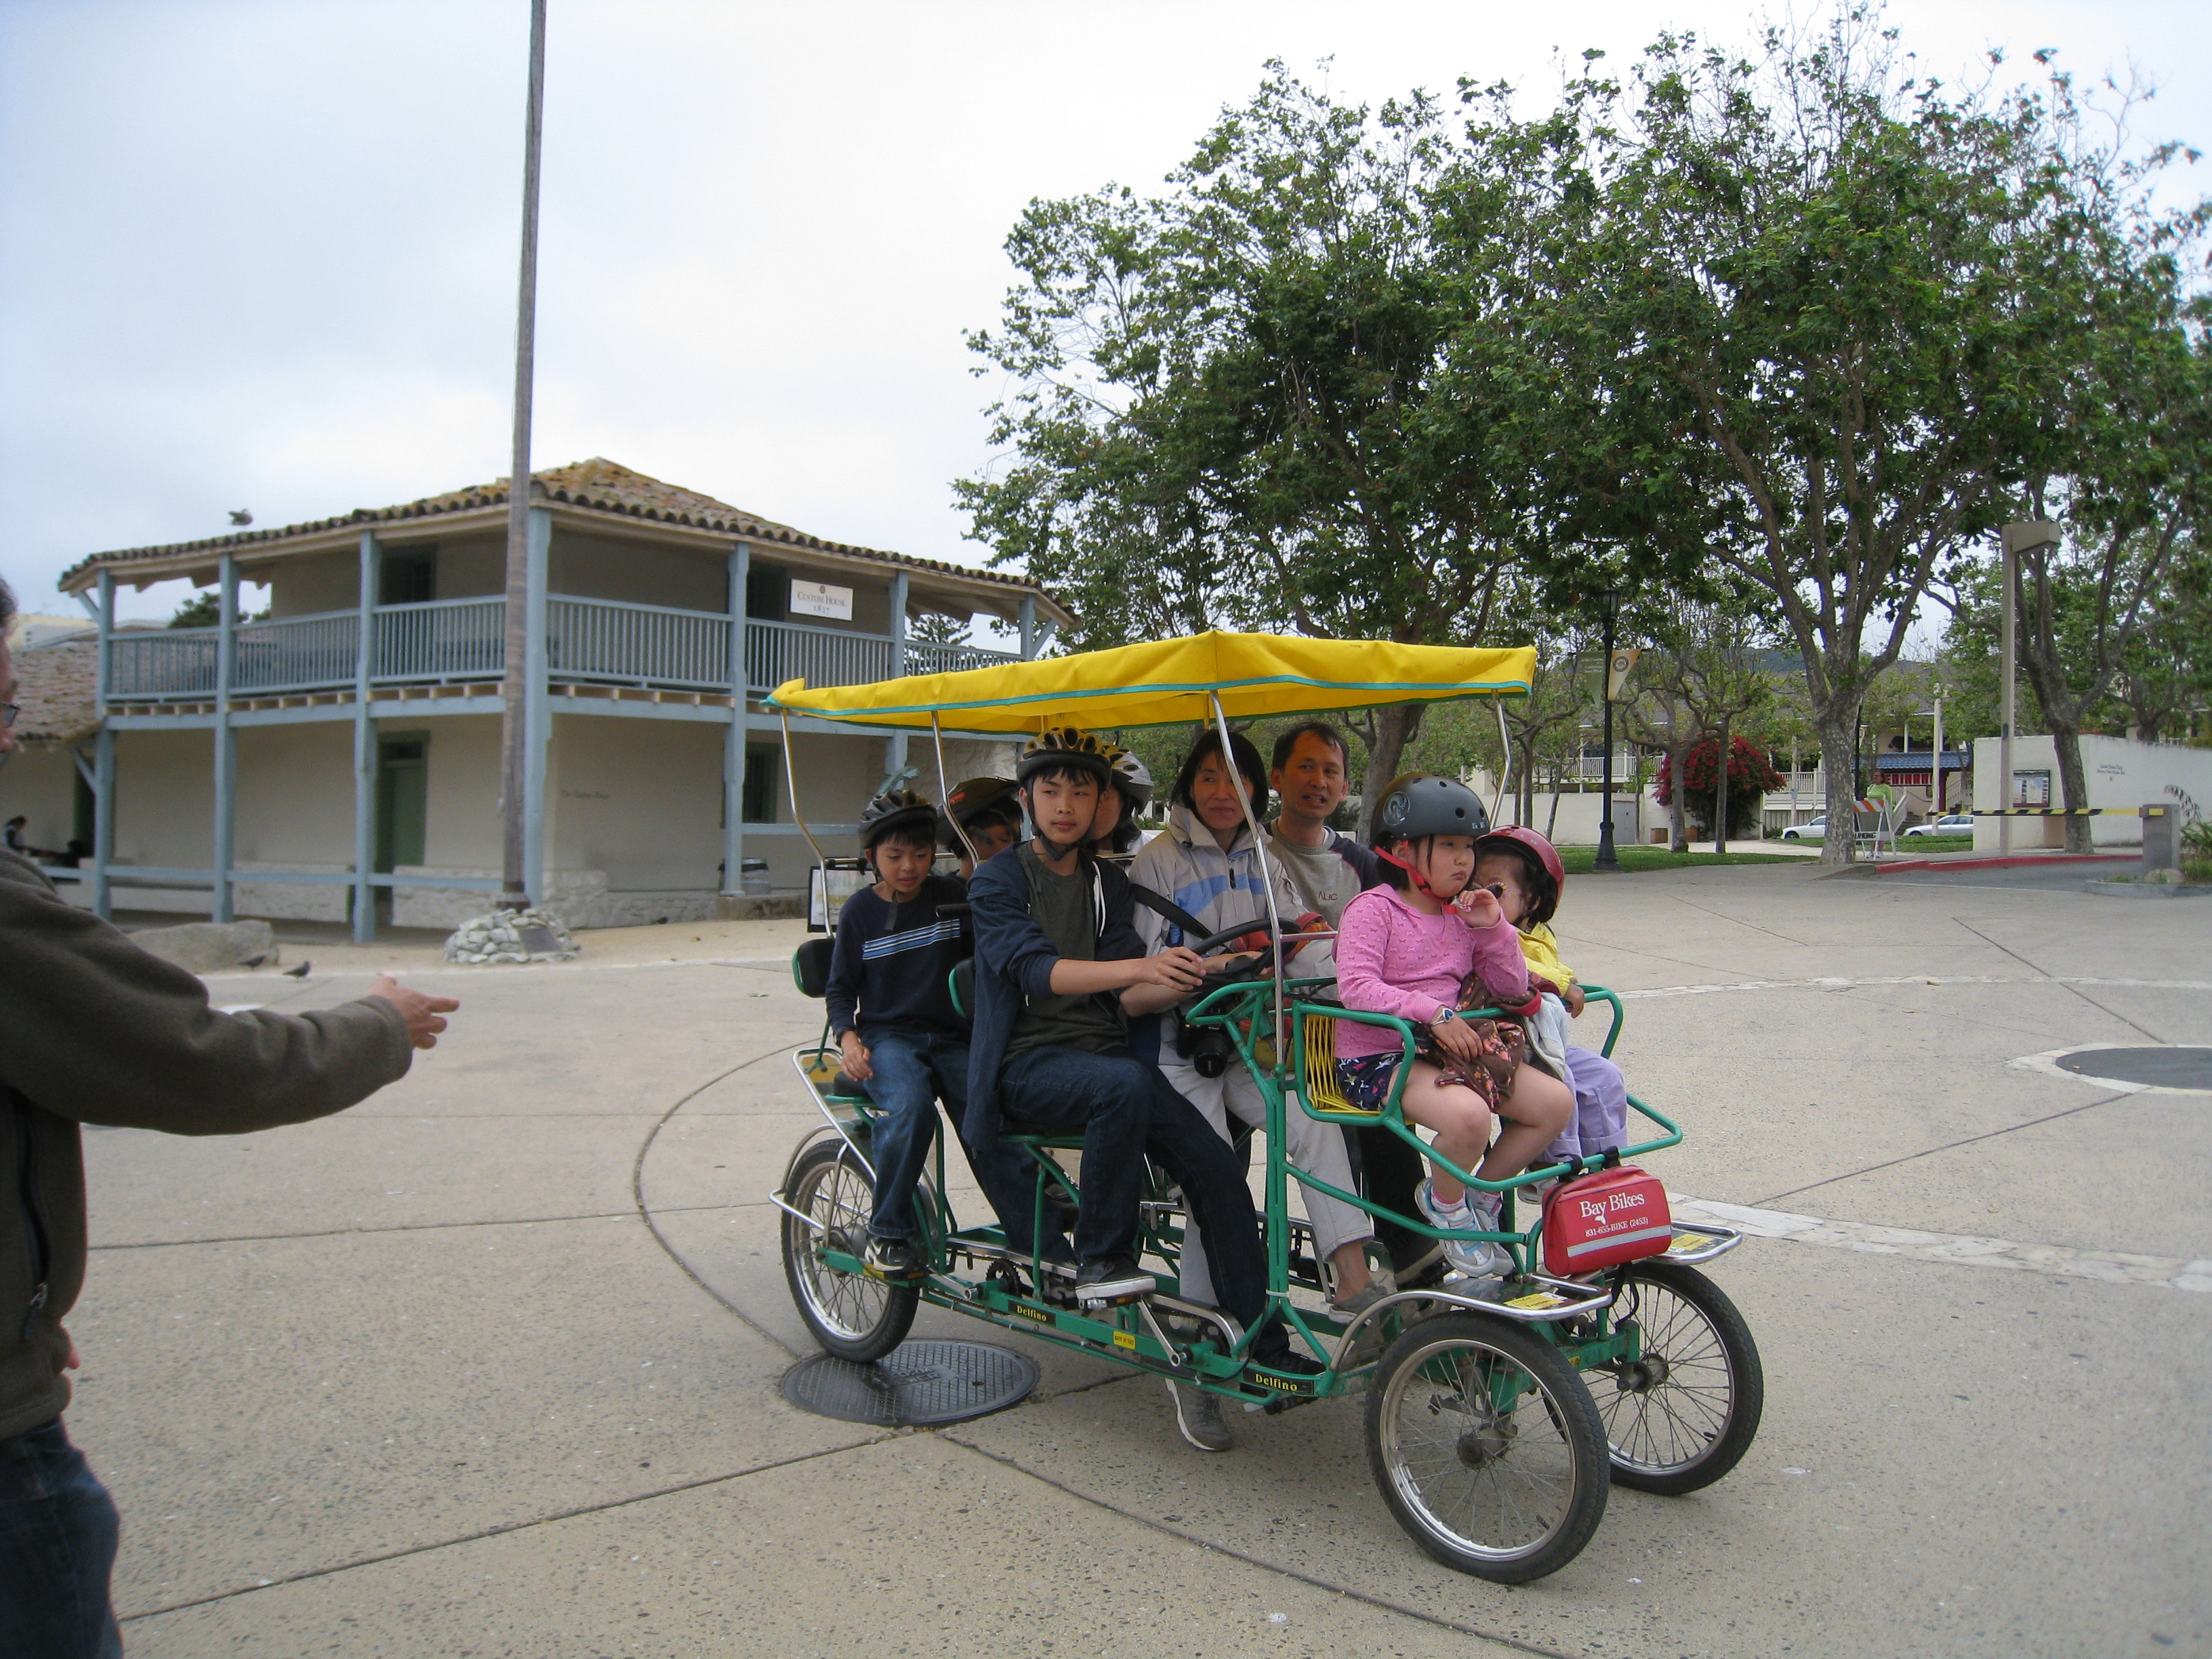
(733,747)
(364,749)
(537,712)
(1029,627)
(103,765)
(895,749)
(226,738)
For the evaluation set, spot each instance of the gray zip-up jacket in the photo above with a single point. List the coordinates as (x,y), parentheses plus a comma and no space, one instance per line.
(92,1030)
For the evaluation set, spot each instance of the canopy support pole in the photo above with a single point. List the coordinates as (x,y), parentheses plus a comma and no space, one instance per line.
(944,791)
(791,780)
(1505,767)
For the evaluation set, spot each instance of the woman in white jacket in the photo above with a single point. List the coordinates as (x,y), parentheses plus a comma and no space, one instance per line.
(1205,864)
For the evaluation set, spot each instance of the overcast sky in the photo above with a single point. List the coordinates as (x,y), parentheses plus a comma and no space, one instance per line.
(262,255)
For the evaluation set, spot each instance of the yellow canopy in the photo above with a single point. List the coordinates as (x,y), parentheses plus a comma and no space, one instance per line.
(1166,683)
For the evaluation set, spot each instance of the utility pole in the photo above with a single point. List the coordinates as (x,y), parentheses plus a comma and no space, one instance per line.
(514,745)
(2019,536)
(1607,858)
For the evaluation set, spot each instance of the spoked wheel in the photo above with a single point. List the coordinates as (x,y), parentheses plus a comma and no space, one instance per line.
(852,1314)
(1684,1414)
(1487,1447)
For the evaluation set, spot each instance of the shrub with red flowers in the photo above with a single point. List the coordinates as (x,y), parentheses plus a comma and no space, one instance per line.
(1750,775)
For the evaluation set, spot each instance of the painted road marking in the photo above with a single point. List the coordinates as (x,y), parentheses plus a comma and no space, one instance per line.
(1913,979)
(1960,1250)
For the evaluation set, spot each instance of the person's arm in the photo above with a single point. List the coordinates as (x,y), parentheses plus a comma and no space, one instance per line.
(100,1031)
(1159,978)
(1361,941)
(843,990)
(1499,961)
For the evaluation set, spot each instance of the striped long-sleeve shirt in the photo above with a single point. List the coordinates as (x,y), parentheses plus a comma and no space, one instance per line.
(888,968)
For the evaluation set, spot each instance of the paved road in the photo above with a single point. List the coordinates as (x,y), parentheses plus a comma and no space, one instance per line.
(488,1366)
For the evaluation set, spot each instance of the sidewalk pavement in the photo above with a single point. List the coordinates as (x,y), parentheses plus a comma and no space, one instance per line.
(488,1365)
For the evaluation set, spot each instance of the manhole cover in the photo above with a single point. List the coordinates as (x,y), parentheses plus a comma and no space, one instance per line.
(2157,1068)
(914,1384)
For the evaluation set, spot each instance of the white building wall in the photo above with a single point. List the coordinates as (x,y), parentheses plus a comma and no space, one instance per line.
(42,785)
(2120,773)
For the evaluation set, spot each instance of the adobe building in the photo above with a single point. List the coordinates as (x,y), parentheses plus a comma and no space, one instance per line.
(341,757)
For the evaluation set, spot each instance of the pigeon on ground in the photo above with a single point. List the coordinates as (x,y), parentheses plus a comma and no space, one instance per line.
(254,962)
(300,972)
(239,515)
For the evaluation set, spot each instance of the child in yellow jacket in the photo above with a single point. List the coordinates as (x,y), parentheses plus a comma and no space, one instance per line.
(1524,870)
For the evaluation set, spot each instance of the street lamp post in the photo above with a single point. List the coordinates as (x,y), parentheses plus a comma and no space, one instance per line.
(1607,858)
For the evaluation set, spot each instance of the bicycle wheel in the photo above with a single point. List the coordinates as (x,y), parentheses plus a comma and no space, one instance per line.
(1684,1414)
(852,1314)
(1486,1447)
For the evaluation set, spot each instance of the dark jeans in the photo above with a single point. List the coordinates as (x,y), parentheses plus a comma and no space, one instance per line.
(1389,1171)
(58,1533)
(908,1065)
(912,1069)
(1124,1108)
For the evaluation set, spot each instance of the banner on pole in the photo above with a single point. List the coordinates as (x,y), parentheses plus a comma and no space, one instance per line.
(1617,671)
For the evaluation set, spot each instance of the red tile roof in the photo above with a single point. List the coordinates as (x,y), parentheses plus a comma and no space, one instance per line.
(599,484)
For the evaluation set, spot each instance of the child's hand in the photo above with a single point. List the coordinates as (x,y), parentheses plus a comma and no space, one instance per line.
(1575,1001)
(855,1057)
(1478,907)
(1456,1037)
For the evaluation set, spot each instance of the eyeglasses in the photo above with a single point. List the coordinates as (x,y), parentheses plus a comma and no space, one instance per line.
(7,713)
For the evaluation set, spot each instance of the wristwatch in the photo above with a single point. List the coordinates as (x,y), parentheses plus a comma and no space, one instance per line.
(1448,1013)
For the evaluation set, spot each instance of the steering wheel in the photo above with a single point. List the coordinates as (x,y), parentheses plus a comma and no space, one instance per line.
(1250,970)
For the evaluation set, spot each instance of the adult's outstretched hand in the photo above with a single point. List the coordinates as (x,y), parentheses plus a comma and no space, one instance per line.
(425,1014)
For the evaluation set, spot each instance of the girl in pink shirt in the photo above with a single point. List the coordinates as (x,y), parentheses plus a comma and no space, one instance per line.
(1404,949)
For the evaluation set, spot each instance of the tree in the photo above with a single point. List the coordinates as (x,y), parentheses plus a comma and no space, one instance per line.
(1706,671)
(1713,796)
(1273,397)
(1815,297)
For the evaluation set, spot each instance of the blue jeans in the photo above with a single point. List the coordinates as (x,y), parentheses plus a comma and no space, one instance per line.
(57,1535)
(911,1070)
(1124,1108)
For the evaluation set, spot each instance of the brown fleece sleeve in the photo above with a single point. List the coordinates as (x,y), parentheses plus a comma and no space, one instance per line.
(100,1031)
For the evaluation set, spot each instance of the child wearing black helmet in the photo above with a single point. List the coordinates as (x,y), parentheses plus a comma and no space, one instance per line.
(989,811)
(1405,949)
(891,1010)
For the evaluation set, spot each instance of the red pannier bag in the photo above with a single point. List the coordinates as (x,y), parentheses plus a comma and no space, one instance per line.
(1598,1219)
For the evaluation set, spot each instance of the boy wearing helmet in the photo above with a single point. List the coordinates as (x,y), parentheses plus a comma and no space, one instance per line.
(991,814)
(1060,970)
(892,1013)
(1524,870)
(1405,949)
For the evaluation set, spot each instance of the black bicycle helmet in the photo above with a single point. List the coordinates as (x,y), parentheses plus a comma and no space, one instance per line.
(970,799)
(1418,804)
(1064,746)
(901,809)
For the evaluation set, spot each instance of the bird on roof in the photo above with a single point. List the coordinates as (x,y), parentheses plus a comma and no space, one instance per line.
(239,515)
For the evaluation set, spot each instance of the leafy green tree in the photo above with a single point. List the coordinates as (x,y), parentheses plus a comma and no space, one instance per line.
(1816,302)
(1278,397)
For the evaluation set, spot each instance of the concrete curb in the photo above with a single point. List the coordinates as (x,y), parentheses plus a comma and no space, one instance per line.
(2145,890)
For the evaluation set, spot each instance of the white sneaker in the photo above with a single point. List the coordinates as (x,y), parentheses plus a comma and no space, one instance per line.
(1476,1259)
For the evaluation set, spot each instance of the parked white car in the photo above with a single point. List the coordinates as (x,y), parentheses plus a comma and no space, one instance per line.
(1951,824)
(1816,830)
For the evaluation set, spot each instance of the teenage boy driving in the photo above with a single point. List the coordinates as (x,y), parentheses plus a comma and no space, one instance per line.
(1058,968)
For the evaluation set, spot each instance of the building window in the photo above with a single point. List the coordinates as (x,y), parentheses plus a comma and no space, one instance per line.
(408,576)
(759,803)
(767,593)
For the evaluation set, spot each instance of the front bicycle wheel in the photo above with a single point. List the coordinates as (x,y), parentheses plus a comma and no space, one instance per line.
(853,1314)
(1684,1414)
(1485,1446)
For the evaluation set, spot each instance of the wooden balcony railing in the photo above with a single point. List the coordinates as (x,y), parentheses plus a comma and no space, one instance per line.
(589,642)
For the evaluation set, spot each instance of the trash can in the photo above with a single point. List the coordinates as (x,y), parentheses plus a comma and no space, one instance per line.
(752,877)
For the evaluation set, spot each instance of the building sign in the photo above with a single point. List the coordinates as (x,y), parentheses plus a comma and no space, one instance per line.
(2030,789)
(821,599)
